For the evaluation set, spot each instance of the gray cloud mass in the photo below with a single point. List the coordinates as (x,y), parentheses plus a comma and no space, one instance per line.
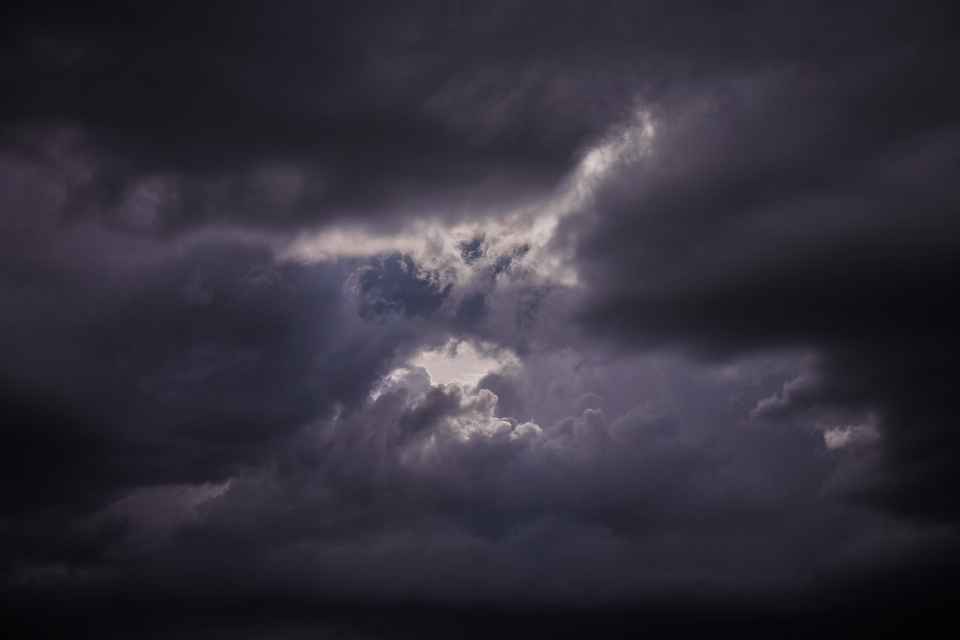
(478,319)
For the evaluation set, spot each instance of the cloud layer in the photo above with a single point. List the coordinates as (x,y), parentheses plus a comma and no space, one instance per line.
(477,307)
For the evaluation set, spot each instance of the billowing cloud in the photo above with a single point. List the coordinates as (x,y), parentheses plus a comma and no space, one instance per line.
(321,318)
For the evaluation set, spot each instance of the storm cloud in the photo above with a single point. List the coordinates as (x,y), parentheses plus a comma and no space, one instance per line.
(439,319)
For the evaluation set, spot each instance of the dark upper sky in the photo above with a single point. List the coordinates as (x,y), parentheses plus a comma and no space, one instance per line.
(425,319)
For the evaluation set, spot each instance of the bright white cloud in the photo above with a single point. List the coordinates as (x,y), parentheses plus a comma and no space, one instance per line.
(461,362)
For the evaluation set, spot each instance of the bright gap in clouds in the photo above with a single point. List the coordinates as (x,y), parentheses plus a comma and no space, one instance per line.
(460,363)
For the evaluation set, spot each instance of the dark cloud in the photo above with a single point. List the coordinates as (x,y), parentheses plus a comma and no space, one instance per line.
(398,285)
(381,320)
(472,309)
(355,97)
(782,221)
(188,377)
(472,250)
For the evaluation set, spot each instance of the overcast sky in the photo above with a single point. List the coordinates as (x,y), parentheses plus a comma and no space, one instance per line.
(419,319)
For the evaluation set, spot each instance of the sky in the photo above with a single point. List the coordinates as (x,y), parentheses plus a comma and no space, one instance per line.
(478,319)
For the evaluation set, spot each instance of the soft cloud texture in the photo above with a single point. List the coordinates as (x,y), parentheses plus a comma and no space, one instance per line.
(383,320)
